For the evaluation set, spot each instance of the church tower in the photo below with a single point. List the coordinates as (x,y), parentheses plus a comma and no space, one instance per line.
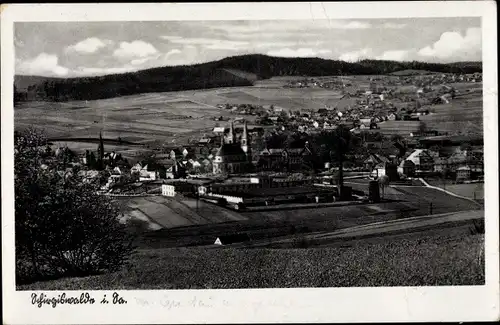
(100,150)
(244,141)
(232,135)
(100,153)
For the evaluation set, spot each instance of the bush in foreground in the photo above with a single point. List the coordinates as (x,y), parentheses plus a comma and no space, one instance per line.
(63,227)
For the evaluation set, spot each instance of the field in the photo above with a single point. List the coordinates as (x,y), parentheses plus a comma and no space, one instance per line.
(175,117)
(472,191)
(415,260)
(171,213)
(464,113)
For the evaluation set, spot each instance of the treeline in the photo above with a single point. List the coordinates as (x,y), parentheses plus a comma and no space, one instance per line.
(210,75)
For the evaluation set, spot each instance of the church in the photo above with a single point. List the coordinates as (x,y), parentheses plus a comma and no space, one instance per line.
(233,156)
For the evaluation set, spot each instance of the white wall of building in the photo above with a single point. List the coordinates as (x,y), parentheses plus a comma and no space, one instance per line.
(229,198)
(168,190)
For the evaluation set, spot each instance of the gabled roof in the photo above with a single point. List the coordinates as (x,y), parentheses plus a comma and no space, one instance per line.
(230,149)
(407,163)
(417,153)
(277,151)
(376,159)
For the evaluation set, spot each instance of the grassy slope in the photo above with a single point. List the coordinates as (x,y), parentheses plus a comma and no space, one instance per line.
(411,261)
(465,190)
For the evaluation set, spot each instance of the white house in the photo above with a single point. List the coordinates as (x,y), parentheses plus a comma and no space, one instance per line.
(116,171)
(147,175)
(422,159)
(136,168)
(218,129)
(168,190)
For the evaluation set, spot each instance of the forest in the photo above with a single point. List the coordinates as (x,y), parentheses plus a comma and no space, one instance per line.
(211,75)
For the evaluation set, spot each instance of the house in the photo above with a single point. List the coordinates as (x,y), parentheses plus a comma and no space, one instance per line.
(219,130)
(463,173)
(272,159)
(422,159)
(168,190)
(204,141)
(407,167)
(392,117)
(116,171)
(176,154)
(274,119)
(136,169)
(88,175)
(365,121)
(388,169)
(147,175)
(440,164)
(373,160)
(473,158)
(422,111)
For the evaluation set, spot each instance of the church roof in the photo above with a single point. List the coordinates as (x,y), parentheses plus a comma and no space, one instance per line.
(230,149)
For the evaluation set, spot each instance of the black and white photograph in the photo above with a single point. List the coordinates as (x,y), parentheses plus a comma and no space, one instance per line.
(199,154)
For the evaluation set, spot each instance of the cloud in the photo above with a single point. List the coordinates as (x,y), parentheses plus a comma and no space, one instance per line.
(135,49)
(89,45)
(454,45)
(394,55)
(170,37)
(285,27)
(44,64)
(354,56)
(354,25)
(393,25)
(155,60)
(302,52)
(208,43)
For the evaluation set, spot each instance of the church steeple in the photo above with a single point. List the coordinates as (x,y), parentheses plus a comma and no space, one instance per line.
(101,147)
(244,137)
(100,153)
(244,142)
(231,136)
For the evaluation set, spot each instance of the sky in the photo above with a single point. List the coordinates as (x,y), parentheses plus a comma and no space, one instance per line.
(71,49)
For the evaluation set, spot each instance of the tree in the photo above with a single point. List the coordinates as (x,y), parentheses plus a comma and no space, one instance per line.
(466,146)
(398,142)
(62,226)
(338,143)
(422,127)
(284,117)
(383,182)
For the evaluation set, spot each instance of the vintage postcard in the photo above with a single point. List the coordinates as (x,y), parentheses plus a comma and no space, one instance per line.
(250,162)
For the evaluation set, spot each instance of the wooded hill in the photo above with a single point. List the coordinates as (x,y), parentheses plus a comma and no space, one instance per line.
(232,71)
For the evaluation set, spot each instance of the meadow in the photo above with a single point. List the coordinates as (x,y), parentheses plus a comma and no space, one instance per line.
(431,260)
(176,117)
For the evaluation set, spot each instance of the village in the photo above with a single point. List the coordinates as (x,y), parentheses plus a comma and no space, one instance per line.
(241,154)
(279,160)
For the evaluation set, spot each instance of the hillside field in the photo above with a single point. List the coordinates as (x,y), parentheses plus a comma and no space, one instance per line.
(440,259)
(175,117)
